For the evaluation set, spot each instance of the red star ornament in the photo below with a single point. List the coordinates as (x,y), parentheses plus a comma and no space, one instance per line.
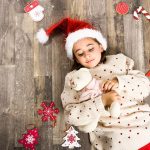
(48,111)
(29,139)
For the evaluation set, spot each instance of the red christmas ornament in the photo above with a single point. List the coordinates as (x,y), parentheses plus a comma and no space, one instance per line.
(146,147)
(71,138)
(141,10)
(35,10)
(122,8)
(48,111)
(29,139)
(148,74)
(31,6)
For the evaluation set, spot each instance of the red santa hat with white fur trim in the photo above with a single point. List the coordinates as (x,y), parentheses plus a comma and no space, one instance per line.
(74,30)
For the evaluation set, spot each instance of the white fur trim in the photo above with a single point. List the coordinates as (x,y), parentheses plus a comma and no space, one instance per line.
(42,36)
(80,34)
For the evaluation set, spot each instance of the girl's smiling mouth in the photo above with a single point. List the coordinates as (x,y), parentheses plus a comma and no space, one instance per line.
(90,61)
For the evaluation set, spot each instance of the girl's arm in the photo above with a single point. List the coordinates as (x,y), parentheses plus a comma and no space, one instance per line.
(135,83)
(80,113)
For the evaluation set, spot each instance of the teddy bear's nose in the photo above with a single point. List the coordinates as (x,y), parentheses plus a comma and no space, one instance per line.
(72,82)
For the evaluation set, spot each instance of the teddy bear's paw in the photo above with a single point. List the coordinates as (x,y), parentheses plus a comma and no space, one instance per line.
(115,109)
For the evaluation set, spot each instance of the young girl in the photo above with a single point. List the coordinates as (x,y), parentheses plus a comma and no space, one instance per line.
(131,131)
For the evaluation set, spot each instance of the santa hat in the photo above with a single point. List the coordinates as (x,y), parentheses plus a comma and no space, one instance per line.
(74,30)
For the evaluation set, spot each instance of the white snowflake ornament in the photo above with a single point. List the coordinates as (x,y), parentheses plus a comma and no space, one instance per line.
(71,140)
(30,139)
(35,11)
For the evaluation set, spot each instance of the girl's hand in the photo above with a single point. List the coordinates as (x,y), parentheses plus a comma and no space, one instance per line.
(109,85)
(108,98)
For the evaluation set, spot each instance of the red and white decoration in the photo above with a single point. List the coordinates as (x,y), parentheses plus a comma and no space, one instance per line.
(48,111)
(35,10)
(122,8)
(141,10)
(74,30)
(71,140)
(29,139)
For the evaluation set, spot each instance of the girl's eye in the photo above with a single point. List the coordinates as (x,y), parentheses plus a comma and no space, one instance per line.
(80,54)
(91,49)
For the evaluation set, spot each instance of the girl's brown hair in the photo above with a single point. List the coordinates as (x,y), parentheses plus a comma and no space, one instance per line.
(77,66)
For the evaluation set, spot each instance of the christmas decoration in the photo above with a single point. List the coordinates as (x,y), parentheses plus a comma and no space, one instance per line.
(35,11)
(48,111)
(71,140)
(122,8)
(146,147)
(74,30)
(29,139)
(148,74)
(141,10)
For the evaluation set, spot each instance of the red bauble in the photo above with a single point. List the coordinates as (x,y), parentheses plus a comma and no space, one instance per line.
(122,8)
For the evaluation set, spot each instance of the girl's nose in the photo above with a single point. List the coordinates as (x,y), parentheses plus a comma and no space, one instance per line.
(87,56)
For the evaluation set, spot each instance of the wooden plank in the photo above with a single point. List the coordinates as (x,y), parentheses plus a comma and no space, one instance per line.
(115,26)
(43,87)
(111,36)
(6,33)
(96,15)
(19,5)
(58,54)
(134,41)
(88,10)
(7,82)
(119,29)
(24,87)
(146,34)
(44,69)
(43,53)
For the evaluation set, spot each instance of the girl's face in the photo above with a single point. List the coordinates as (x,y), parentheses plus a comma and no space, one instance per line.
(87,52)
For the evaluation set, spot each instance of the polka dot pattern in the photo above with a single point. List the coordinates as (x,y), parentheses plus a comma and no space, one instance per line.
(134,121)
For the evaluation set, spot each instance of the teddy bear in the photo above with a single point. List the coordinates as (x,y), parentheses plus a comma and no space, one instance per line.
(89,88)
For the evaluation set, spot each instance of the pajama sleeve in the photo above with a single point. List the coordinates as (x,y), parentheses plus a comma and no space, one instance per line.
(135,83)
(80,113)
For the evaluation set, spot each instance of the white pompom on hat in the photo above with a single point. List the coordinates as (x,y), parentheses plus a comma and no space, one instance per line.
(74,30)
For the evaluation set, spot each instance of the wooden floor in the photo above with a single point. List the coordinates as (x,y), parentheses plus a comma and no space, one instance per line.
(29,72)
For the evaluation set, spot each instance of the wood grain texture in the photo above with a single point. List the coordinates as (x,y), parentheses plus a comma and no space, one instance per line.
(24,88)
(146,35)
(29,71)
(7,117)
(134,41)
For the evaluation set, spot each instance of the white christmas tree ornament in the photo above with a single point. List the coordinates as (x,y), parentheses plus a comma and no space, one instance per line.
(71,140)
